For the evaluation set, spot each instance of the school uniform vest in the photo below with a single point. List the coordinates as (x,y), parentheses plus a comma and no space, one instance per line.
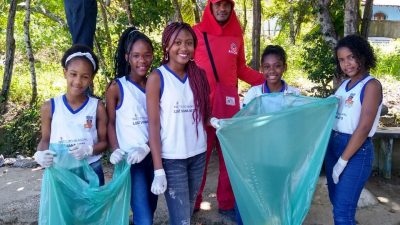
(180,137)
(131,121)
(349,111)
(71,127)
(258,90)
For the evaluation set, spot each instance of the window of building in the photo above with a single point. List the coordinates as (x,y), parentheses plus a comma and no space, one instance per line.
(380,16)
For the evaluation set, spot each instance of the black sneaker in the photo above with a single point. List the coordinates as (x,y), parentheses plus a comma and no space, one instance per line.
(228,213)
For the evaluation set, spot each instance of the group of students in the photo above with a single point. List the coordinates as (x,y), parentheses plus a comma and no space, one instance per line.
(166,113)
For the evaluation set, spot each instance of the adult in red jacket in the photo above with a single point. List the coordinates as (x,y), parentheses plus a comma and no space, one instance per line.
(225,38)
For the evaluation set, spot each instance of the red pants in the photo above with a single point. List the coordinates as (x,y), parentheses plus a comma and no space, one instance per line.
(225,197)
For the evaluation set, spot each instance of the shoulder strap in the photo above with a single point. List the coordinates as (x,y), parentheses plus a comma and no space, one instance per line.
(211,57)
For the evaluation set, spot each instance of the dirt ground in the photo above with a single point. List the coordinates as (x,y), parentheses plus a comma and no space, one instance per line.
(20,190)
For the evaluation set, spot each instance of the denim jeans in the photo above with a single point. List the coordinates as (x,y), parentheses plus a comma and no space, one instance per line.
(98,169)
(345,194)
(183,182)
(238,217)
(81,18)
(143,202)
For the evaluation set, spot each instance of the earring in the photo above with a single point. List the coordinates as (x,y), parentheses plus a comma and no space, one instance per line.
(191,59)
(166,56)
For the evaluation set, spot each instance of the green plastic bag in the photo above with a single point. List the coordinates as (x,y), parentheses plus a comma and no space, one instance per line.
(273,149)
(70,193)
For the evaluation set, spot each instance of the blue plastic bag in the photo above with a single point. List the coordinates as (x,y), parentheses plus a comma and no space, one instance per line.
(70,193)
(273,150)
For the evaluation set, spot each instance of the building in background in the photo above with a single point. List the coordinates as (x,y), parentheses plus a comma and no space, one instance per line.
(385,21)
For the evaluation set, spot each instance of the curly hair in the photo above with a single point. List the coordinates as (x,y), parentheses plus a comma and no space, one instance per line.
(125,43)
(197,77)
(80,48)
(274,50)
(361,49)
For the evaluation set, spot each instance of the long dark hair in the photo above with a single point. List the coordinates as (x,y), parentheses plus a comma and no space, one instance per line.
(127,39)
(197,77)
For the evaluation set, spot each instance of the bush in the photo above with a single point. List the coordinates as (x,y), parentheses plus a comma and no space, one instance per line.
(388,59)
(21,134)
(319,63)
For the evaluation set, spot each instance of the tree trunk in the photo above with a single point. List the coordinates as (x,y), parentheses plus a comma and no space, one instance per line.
(244,15)
(178,14)
(102,60)
(256,34)
(196,11)
(351,17)
(366,18)
(29,52)
(325,20)
(10,51)
(128,11)
(292,33)
(107,30)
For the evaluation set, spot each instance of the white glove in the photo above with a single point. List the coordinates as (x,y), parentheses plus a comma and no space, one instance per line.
(137,154)
(338,169)
(44,158)
(214,122)
(117,156)
(159,184)
(80,152)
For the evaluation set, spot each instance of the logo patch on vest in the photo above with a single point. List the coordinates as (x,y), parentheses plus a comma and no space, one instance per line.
(349,101)
(89,122)
(233,49)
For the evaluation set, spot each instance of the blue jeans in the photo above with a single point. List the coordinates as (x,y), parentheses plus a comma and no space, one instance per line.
(238,217)
(143,202)
(184,178)
(345,194)
(81,18)
(98,169)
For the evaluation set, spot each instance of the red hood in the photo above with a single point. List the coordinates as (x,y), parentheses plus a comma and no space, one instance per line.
(209,25)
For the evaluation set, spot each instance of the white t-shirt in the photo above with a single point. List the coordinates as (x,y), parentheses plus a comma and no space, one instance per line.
(180,137)
(263,89)
(131,121)
(71,127)
(349,111)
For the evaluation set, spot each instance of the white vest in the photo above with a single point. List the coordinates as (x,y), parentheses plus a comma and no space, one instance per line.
(349,111)
(179,138)
(131,121)
(258,90)
(71,127)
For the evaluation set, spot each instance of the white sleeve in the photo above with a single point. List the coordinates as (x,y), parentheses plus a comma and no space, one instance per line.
(251,93)
(293,90)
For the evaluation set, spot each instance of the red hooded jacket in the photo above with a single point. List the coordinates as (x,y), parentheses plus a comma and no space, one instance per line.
(227,47)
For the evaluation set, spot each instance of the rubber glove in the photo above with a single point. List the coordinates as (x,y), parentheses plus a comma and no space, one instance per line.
(137,154)
(44,158)
(338,169)
(80,152)
(117,156)
(159,184)
(214,122)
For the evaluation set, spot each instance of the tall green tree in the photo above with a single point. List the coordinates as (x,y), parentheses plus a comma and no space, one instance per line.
(10,52)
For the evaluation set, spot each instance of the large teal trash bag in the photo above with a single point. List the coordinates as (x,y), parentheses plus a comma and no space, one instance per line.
(70,193)
(273,149)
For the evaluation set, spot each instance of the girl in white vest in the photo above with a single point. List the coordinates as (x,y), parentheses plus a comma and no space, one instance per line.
(178,109)
(350,153)
(75,119)
(128,123)
(273,65)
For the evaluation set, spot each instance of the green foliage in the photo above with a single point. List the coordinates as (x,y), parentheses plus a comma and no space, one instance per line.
(388,59)
(319,63)
(21,135)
